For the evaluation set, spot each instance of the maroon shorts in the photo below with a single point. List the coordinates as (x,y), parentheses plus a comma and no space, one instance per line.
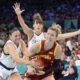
(36,77)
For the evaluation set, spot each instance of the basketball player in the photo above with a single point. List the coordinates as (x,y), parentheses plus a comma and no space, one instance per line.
(37,34)
(10,56)
(46,51)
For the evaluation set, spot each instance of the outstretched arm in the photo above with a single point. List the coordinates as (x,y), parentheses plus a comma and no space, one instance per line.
(25,60)
(28,31)
(24,49)
(12,51)
(35,48)
(68,35)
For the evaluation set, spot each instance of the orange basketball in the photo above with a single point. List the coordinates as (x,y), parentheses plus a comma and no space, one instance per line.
(39,61)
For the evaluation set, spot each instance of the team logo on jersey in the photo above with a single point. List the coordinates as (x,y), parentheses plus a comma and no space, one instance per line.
(50,52)
(45,57)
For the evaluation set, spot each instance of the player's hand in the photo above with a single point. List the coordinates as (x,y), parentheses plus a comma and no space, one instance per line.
(31,70)
(17,9)
(40,73)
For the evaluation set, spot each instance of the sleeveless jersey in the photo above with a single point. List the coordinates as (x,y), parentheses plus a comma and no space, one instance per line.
(35,38)
(47,60)
(45,55)
(6,59)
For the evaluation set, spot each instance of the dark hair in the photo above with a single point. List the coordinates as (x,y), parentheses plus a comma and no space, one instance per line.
(67,51)
(12,30)
(37,17)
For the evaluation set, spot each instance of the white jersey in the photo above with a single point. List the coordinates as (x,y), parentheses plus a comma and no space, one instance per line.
(35,38)
(7,59)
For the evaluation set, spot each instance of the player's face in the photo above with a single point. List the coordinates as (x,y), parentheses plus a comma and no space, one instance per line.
(71,62)
(51,35)
(38,27)
(15,37)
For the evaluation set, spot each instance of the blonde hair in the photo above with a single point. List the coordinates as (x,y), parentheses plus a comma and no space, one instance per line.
(53,29)
(57,27)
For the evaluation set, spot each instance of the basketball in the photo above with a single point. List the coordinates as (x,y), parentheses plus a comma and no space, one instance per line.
(39,61)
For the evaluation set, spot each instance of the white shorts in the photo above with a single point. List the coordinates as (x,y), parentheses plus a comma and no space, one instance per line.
(4,73)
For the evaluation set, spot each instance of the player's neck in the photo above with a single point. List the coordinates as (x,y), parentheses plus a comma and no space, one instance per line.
(38,33)
(48,45)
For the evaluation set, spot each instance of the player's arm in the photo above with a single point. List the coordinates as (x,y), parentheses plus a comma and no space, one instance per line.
(24,49)
(68,35)
(28,31)
(12,51)
(35,48)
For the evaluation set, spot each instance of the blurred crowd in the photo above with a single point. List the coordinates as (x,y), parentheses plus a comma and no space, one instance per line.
(55,10)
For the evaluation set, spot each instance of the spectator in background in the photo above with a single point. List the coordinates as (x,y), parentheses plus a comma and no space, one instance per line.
(1,48)
(67,51)
(77,52)
(3,36)
(24,37)
(69,44)
(2,41)
(70,73)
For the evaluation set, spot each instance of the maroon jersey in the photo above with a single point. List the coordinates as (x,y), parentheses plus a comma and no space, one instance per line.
(45,58)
